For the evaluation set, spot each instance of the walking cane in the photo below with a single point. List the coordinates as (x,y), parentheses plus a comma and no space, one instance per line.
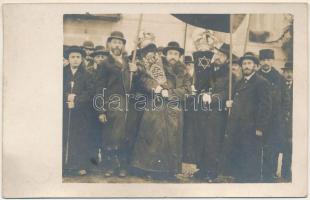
(69,124)
(262,161)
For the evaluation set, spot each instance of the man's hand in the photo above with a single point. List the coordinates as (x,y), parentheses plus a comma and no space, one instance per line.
(194,91)
(132,67)
(71,97)
(158,89)
(259,133)
(206,98)
(164,93)
(103,118)
(229,103)
(70,104)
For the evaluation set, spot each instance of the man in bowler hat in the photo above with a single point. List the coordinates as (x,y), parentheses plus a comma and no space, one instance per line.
(247,123)
(114,79)
(88,47)
(288,115)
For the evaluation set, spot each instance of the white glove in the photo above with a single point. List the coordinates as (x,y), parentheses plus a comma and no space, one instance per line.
(194,91)
(158,89)
(164,93)
(206,98)
(229,103)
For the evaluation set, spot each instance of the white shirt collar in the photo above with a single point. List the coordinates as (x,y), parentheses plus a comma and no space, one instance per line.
(266,71)
(249,77)
(73,70)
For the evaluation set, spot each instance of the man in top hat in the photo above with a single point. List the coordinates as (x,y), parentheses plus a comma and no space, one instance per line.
(249,116)
(273,138)
(158,149)
(288,114)
(114,80)
(77,93)
(215,116)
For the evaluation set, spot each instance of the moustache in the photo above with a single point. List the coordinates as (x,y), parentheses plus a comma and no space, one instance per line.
(172,59)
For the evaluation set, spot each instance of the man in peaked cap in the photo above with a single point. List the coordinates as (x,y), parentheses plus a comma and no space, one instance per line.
(273,139)
(113,78)
(247,124)
(77,93)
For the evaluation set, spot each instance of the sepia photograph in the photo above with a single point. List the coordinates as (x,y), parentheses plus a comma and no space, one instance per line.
(177,98)
(155,99)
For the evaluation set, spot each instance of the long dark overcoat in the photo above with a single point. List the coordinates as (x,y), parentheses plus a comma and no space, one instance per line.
(113,77)
(81,148)
(275,133)
(250,112)
(211,137)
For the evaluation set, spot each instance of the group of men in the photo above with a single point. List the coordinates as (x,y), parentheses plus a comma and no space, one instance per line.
(147,113)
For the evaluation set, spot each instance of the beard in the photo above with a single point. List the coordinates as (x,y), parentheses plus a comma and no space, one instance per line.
(266,67)
(172,61)
(247,71)
(116,51)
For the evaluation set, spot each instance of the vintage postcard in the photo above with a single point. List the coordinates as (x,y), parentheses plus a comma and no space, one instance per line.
(155,100)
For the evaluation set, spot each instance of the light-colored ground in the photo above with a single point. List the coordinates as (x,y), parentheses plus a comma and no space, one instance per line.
(98,177)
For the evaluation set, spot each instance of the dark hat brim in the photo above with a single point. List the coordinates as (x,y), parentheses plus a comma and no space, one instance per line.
(249,57)
(119,38)
(148,48)
(101,52)
(179,49)
(74,50)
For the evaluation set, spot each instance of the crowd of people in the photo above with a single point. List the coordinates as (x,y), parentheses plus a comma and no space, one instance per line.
(146,113)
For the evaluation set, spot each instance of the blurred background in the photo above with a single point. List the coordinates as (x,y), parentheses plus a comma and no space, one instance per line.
(253,32)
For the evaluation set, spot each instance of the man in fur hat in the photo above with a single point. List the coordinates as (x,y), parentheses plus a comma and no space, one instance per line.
(273,139)
(158,148)
(215,120)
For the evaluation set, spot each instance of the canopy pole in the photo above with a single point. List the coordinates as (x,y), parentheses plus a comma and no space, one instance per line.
(230,61)
(247,35)
(185,35)
(135,48)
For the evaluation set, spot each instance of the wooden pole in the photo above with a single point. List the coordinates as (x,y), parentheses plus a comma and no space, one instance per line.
(230,61)
(135,48)
(185,35)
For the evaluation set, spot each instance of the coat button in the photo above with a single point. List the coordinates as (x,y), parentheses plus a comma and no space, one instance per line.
(237,93)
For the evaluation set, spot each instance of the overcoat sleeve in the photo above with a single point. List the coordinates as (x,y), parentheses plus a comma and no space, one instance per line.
(183,90)
(264,103)
(101,80)
(87,91)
